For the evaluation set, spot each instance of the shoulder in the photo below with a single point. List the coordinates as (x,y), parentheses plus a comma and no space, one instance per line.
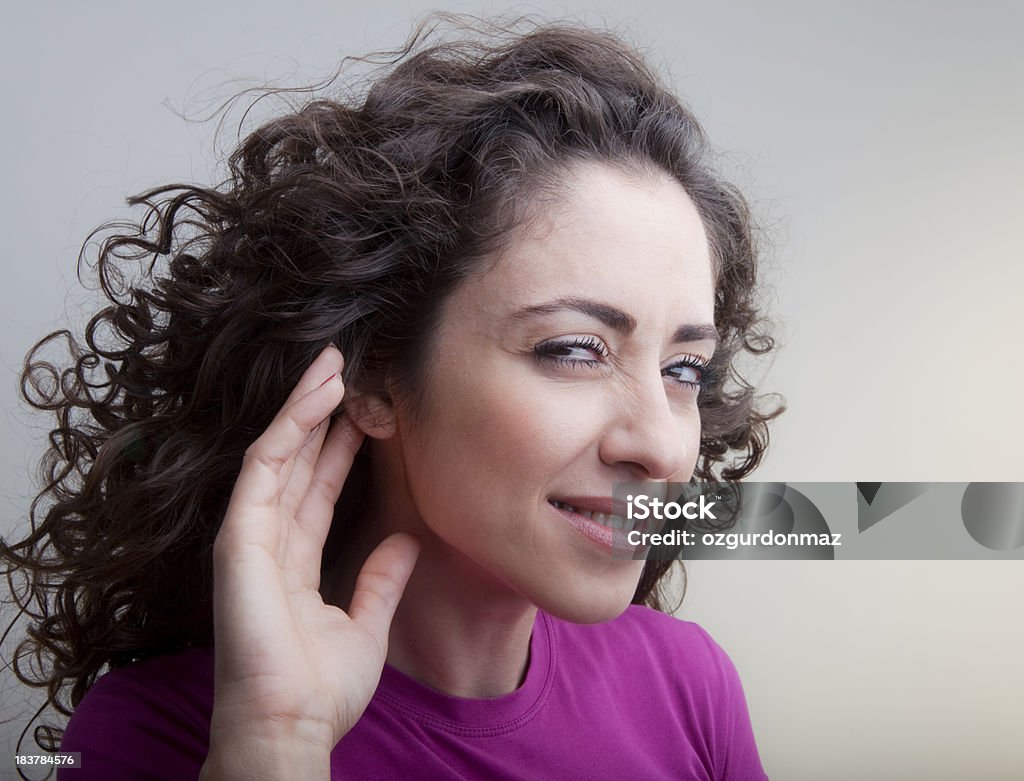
(673,660)
(150,719)
(673,671)
(682,670)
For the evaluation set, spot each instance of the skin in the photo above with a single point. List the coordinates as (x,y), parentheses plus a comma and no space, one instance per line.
(522,406)
(505,429)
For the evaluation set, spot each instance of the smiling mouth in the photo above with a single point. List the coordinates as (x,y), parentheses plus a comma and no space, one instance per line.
(604,519)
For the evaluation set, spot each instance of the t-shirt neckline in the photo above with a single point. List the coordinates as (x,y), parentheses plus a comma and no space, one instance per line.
(472,716)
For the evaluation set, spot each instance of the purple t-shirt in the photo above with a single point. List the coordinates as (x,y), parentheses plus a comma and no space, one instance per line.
(642,696)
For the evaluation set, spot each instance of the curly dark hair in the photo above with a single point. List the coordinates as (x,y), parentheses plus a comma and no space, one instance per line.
(347,221)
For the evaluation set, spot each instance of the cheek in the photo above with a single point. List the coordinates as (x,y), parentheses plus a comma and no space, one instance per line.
(492,455)
(539,434)
(691,441)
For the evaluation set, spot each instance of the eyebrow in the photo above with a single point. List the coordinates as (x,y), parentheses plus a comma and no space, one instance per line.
(615,318)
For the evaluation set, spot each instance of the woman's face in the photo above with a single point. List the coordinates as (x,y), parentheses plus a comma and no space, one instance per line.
(571,364)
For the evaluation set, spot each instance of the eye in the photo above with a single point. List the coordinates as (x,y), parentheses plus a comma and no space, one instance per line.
(691,372)
(573,352)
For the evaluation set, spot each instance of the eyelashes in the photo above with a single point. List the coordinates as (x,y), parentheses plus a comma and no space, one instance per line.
(690,366)
(690,371)
(572,352)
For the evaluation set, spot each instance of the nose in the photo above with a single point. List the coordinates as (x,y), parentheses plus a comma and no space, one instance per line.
(658,439)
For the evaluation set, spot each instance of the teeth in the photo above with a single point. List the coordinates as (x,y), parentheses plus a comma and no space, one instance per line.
(611,521)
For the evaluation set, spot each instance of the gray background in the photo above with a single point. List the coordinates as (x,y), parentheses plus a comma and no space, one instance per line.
(879,143)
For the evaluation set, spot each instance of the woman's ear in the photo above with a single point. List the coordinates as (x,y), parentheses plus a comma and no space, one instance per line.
(373,413)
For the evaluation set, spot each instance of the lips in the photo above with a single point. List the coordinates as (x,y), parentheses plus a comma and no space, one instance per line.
(601,510)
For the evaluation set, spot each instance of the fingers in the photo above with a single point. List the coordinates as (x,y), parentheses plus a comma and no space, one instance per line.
(296,476)
(329,361)
(303,466)
(304,552)
(268,462)
(381,583)
(316,511)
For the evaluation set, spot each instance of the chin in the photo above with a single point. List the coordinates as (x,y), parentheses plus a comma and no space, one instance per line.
(589,608)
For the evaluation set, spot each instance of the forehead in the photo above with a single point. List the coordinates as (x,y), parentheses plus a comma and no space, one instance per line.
(634,239)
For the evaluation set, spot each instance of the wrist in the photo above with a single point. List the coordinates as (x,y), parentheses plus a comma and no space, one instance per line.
(265,761)
(268,752)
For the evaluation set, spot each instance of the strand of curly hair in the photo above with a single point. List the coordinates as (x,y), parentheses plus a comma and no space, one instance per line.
(346,221)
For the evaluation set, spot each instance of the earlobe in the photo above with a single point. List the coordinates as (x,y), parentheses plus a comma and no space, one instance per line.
(373,414)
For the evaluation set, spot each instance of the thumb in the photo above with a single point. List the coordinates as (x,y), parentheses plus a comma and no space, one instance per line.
(381,583)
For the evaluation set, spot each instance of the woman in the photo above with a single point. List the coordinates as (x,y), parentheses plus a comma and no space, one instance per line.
(338,503)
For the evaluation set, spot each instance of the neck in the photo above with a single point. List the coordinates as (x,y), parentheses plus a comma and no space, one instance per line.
(464,640)
(457,629)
